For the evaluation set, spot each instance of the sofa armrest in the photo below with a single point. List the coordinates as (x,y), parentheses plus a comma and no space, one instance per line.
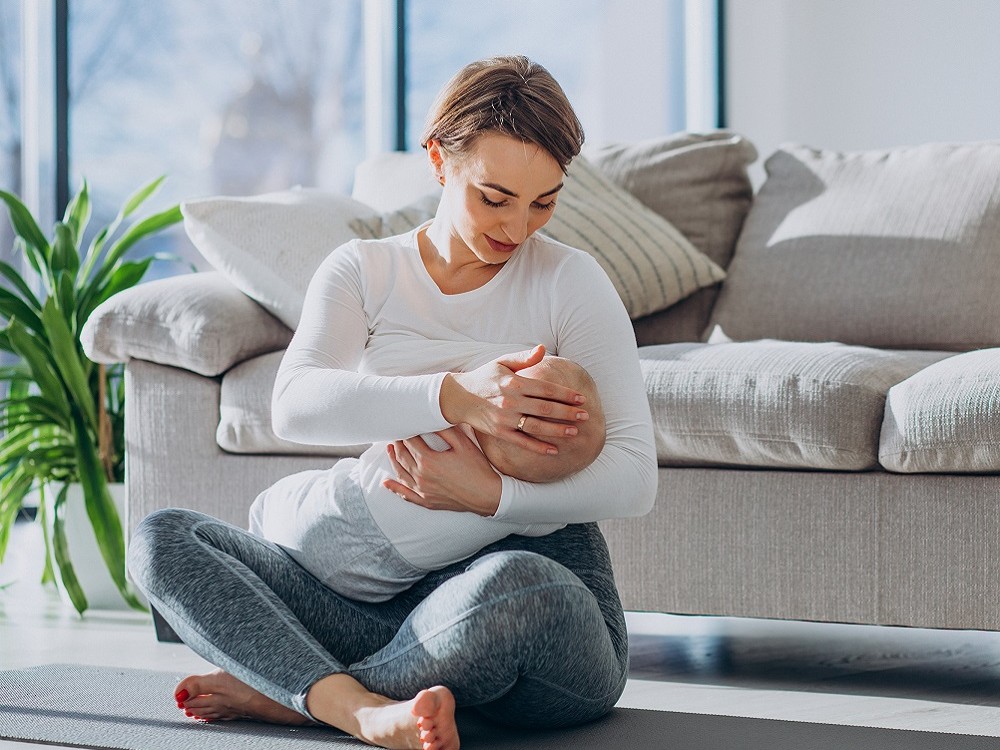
(198,322)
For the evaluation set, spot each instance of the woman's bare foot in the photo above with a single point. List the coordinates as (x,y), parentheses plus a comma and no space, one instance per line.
(426,722)
(220,696)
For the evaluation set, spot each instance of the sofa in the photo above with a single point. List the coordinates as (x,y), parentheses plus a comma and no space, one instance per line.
(825,393)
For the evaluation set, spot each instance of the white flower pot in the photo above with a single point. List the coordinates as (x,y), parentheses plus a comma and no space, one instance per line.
(88,563)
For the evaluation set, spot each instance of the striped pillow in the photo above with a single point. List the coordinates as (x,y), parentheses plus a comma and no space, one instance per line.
(651,264)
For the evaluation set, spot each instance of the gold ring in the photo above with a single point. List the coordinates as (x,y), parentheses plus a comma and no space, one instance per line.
(520,423)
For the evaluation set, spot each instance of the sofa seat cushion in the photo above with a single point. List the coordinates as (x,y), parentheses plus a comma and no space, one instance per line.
(769,403)
(945,418)
(245,413)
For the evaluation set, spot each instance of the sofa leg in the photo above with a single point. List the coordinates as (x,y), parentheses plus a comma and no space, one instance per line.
(164,633)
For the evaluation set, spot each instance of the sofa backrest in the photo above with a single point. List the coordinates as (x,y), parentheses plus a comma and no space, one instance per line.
(896,248)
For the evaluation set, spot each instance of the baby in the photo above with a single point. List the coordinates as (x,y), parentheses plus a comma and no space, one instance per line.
(369,544)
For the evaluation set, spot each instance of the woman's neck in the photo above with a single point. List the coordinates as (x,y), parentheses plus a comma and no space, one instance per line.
(449,261)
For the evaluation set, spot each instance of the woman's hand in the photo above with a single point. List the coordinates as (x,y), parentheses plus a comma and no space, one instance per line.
(459,478)
(495,400)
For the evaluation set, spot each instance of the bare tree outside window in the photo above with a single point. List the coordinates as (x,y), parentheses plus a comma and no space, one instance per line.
(229,97)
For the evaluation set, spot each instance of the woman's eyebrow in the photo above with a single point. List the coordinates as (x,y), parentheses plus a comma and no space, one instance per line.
(512,194)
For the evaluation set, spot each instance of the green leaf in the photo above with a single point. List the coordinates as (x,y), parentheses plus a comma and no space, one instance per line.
(11,305)
(37,261)
(35,406)
(136,232)
(64,253)
(12,494)
(139,196)
(96,245)
(77,214)
(126,276)
(61,549)
(65,297)
(134,201)
(67,357)
(103,516)
(48,575)
(24,223)
(39,359)
(15,278)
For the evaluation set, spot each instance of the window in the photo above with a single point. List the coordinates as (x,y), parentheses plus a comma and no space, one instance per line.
(621,62)
(10,112)
(225,97)
(248,96)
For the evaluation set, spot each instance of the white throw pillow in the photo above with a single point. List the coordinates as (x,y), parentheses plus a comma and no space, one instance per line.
(269,246)
(650,262)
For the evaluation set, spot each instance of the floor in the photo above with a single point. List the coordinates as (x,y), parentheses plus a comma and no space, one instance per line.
(945,681)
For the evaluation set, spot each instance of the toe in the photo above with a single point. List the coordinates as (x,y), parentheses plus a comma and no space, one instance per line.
(426,706)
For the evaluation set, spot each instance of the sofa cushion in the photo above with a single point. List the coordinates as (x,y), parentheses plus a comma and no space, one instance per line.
(892,248)
(651,264)
(945,418)
(199,322)
(699,183)
(772,403)
(696,181)
(245,413)
(269,246)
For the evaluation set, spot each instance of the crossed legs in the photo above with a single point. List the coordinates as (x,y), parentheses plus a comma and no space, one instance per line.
(512,632)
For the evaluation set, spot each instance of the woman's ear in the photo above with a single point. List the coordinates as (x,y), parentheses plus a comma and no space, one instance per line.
(436,159)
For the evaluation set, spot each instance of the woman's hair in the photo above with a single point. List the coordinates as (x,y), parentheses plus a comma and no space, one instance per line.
(510,95)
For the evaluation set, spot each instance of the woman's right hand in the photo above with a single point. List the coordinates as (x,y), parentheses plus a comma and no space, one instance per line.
(493,399)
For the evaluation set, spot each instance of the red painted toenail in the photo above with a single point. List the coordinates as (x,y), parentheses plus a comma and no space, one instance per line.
(188,712)
(182,696)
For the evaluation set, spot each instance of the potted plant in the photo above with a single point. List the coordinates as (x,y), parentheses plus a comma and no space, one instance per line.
(62,420)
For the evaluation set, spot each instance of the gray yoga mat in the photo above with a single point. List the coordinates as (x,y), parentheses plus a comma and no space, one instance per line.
(131,709)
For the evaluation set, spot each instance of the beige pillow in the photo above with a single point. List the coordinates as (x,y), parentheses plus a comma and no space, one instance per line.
(269,246)
(650,263)
(696,181)
(895,248)
(945,418)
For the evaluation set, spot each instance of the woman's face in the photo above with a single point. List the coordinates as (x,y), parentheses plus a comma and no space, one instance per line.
(496,195)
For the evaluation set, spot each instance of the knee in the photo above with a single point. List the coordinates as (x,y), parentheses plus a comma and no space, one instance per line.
(153,541)
(533,590)
(518,570)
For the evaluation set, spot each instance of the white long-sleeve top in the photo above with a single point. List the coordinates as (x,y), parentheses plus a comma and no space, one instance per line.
(377,337)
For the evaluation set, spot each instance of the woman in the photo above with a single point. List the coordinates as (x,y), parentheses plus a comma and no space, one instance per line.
(529,630)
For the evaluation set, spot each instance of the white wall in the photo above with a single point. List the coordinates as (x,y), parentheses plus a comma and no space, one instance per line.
(860,74)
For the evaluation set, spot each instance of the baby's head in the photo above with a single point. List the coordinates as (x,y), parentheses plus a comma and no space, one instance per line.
(575,453)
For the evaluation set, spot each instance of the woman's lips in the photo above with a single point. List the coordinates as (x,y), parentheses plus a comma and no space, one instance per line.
(500,247)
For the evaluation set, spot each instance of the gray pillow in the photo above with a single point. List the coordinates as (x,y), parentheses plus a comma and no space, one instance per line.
(897,248)
(199,322)
(696,181)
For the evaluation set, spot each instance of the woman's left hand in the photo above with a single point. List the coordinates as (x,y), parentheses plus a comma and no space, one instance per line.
(460,478)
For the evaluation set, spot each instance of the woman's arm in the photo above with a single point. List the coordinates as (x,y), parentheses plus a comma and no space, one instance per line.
(319,398)
(593,330)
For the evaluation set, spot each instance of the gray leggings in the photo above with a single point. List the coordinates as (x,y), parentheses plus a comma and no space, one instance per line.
(529,631)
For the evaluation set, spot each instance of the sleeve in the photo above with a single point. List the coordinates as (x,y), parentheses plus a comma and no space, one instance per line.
(319,398)
(594,330)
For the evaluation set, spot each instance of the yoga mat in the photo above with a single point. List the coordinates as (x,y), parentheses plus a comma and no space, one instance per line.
(131,709)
